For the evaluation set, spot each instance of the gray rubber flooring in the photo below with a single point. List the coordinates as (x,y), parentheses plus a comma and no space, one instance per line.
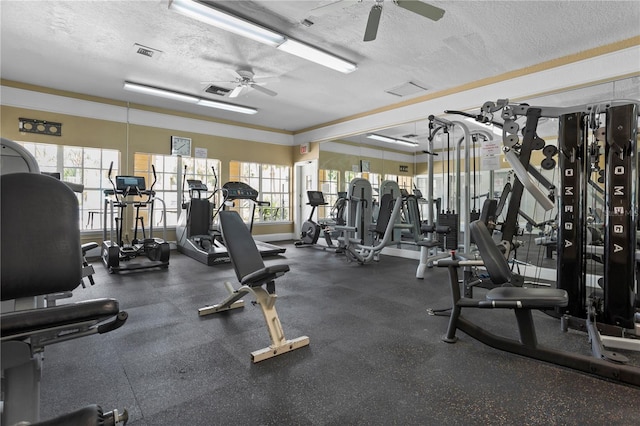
(375,356)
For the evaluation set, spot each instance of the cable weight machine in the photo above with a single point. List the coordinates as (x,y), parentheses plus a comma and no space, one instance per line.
(616,306)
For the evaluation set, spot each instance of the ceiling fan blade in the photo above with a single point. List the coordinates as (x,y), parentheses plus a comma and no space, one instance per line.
(372,23)
(263,90)
(236,92)
(264,80)
(236,74)
(428,11)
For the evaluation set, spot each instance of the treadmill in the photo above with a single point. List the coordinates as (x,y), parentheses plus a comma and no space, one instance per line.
(196,235)
(242,191)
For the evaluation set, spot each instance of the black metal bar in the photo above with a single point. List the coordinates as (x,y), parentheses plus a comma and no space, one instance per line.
(509,228)
(570,273)
(620,225)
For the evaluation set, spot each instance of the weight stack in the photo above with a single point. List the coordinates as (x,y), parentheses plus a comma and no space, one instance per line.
(451,220)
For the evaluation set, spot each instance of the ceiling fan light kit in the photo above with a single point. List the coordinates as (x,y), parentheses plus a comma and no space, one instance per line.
(208,14)
(182,97)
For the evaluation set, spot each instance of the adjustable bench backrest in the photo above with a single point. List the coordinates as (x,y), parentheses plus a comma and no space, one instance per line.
(40,238)
(494,261)
(242,249)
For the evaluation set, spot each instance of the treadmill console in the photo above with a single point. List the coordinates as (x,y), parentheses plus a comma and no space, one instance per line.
(240,191)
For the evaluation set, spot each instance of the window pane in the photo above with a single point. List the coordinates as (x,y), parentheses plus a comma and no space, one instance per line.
(46,155)
(72,156)
(81,165)
(92,178)
(92,158)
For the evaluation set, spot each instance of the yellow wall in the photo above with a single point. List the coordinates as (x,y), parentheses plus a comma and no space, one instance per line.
(131,138)
(81,131)
(313,154)
(345,162)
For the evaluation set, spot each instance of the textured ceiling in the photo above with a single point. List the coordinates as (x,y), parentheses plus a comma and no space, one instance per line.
(87,47)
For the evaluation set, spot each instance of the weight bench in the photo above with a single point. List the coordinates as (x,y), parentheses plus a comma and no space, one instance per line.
(254,276)
(522,300)
(30,272)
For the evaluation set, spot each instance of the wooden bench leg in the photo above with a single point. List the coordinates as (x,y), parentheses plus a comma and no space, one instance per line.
(279,343)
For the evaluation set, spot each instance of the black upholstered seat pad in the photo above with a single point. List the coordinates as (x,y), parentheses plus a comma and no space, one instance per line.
(33,320)
(530,297)
(261,275)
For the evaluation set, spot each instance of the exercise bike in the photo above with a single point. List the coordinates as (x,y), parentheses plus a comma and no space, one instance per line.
(310,232)
(156,250)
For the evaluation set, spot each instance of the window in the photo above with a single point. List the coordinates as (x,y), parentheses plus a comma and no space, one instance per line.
(167,183)
(348,177)
(273,185)
(81,165)
(404,182)
(328,180)
(374,179)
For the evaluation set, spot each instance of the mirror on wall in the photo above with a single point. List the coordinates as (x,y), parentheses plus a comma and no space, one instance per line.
(377,159)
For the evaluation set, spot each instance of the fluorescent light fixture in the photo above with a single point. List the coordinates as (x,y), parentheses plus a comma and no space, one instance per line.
(381,138)
(220,19)
(403,142)
(163,93)
(154,91)
(390,140)
(316,55)
(229,107)
(206,13)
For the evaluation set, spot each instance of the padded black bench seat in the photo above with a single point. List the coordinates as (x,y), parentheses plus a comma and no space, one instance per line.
(522,301)
(425,228)
(259,277)
(527,298)
(19,323)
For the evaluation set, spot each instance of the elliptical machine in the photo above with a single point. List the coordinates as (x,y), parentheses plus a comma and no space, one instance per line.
(195,233)
(157,250)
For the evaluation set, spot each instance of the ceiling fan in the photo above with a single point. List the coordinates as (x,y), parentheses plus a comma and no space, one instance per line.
(424,9)
(245,81)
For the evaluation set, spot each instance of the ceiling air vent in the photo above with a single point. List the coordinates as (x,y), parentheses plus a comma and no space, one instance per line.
(147,51)
(217,90)
(409,88)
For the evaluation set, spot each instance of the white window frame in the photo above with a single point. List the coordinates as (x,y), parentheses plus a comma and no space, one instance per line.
(90,202)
